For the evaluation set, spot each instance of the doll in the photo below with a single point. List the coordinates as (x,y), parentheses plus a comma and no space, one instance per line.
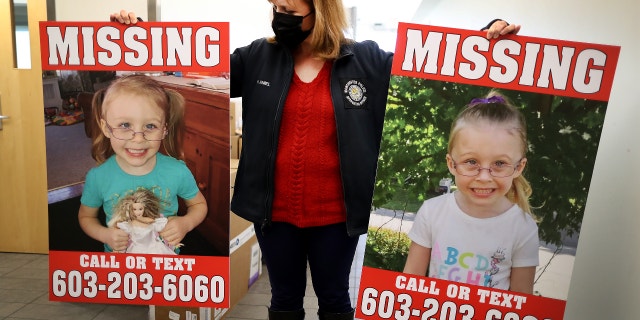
(139,215)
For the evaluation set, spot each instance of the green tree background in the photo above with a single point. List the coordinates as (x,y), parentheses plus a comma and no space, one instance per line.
(563,138)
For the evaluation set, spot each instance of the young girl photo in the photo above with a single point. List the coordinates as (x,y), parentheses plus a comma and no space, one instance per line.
(452,201)
(137,118)
(483,233)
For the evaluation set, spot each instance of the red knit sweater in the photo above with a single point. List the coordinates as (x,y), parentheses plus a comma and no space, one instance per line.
(308,186)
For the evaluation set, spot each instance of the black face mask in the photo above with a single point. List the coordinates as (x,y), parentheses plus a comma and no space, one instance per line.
(288,28)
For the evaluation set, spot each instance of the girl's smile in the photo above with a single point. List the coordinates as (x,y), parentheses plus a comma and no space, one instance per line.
(482,191)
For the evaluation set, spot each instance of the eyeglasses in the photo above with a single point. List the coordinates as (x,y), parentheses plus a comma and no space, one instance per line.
(498,169)
(149,134)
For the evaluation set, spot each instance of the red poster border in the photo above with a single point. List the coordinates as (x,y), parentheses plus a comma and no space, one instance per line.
(445,57)
(134,41)
(102,277)
(441,54)
(382,294)
(116,278)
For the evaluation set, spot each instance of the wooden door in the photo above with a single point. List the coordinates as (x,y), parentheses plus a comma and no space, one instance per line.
(23,172)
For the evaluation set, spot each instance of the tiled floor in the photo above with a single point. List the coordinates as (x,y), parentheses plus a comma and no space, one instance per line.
(24,295)
(24,283)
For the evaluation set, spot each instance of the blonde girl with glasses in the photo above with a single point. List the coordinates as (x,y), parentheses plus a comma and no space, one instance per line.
(137,117)
(483,233)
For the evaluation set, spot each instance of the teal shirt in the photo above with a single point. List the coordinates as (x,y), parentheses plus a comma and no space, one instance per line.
(169,180)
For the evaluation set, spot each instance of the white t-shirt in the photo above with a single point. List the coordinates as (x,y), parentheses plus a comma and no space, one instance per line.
(473,250)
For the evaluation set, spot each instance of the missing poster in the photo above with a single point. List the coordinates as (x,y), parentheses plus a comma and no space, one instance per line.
(154,163)
(450,236)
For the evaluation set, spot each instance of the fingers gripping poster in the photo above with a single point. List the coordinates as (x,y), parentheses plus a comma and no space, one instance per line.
(483,175)
(153,223)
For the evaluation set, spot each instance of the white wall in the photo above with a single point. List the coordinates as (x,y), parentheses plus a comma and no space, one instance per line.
(606,281)
(248,19)
(97,10)
(379,20)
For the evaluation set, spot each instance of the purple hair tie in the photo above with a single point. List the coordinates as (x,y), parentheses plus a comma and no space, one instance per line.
(492,99)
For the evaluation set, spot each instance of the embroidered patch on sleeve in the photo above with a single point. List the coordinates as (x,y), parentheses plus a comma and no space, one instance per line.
(354,93)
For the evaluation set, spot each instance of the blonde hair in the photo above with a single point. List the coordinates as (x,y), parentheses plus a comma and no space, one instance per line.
(123,210)
(171,102)
(498,110)
(328,32)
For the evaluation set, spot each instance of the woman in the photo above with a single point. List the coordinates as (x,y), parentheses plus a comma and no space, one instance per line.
(313,110)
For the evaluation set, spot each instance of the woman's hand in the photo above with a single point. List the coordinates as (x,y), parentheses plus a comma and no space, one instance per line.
(500,28)
(124,17)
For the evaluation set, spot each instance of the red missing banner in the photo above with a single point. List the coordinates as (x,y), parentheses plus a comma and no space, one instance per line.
(574,69)
(146,46)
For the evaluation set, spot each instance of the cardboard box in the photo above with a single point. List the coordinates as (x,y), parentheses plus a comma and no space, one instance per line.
(255,270)
(235,117)
(232,180)
(244,252)
(179,313)
(234,146)
(244,273)
(240,232)
(232,118)
(235,110)
(244,257)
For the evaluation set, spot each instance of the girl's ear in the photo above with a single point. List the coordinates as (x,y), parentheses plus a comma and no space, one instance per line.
(104,129)
(450,165)
(521,165)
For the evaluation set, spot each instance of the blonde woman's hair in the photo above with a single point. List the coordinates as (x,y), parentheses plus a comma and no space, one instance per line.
(328,33)
(171,102)
(123,210)
(496,108)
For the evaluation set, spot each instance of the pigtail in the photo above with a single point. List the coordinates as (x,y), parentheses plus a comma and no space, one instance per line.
(175,125)
(520,192)
(100,145)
